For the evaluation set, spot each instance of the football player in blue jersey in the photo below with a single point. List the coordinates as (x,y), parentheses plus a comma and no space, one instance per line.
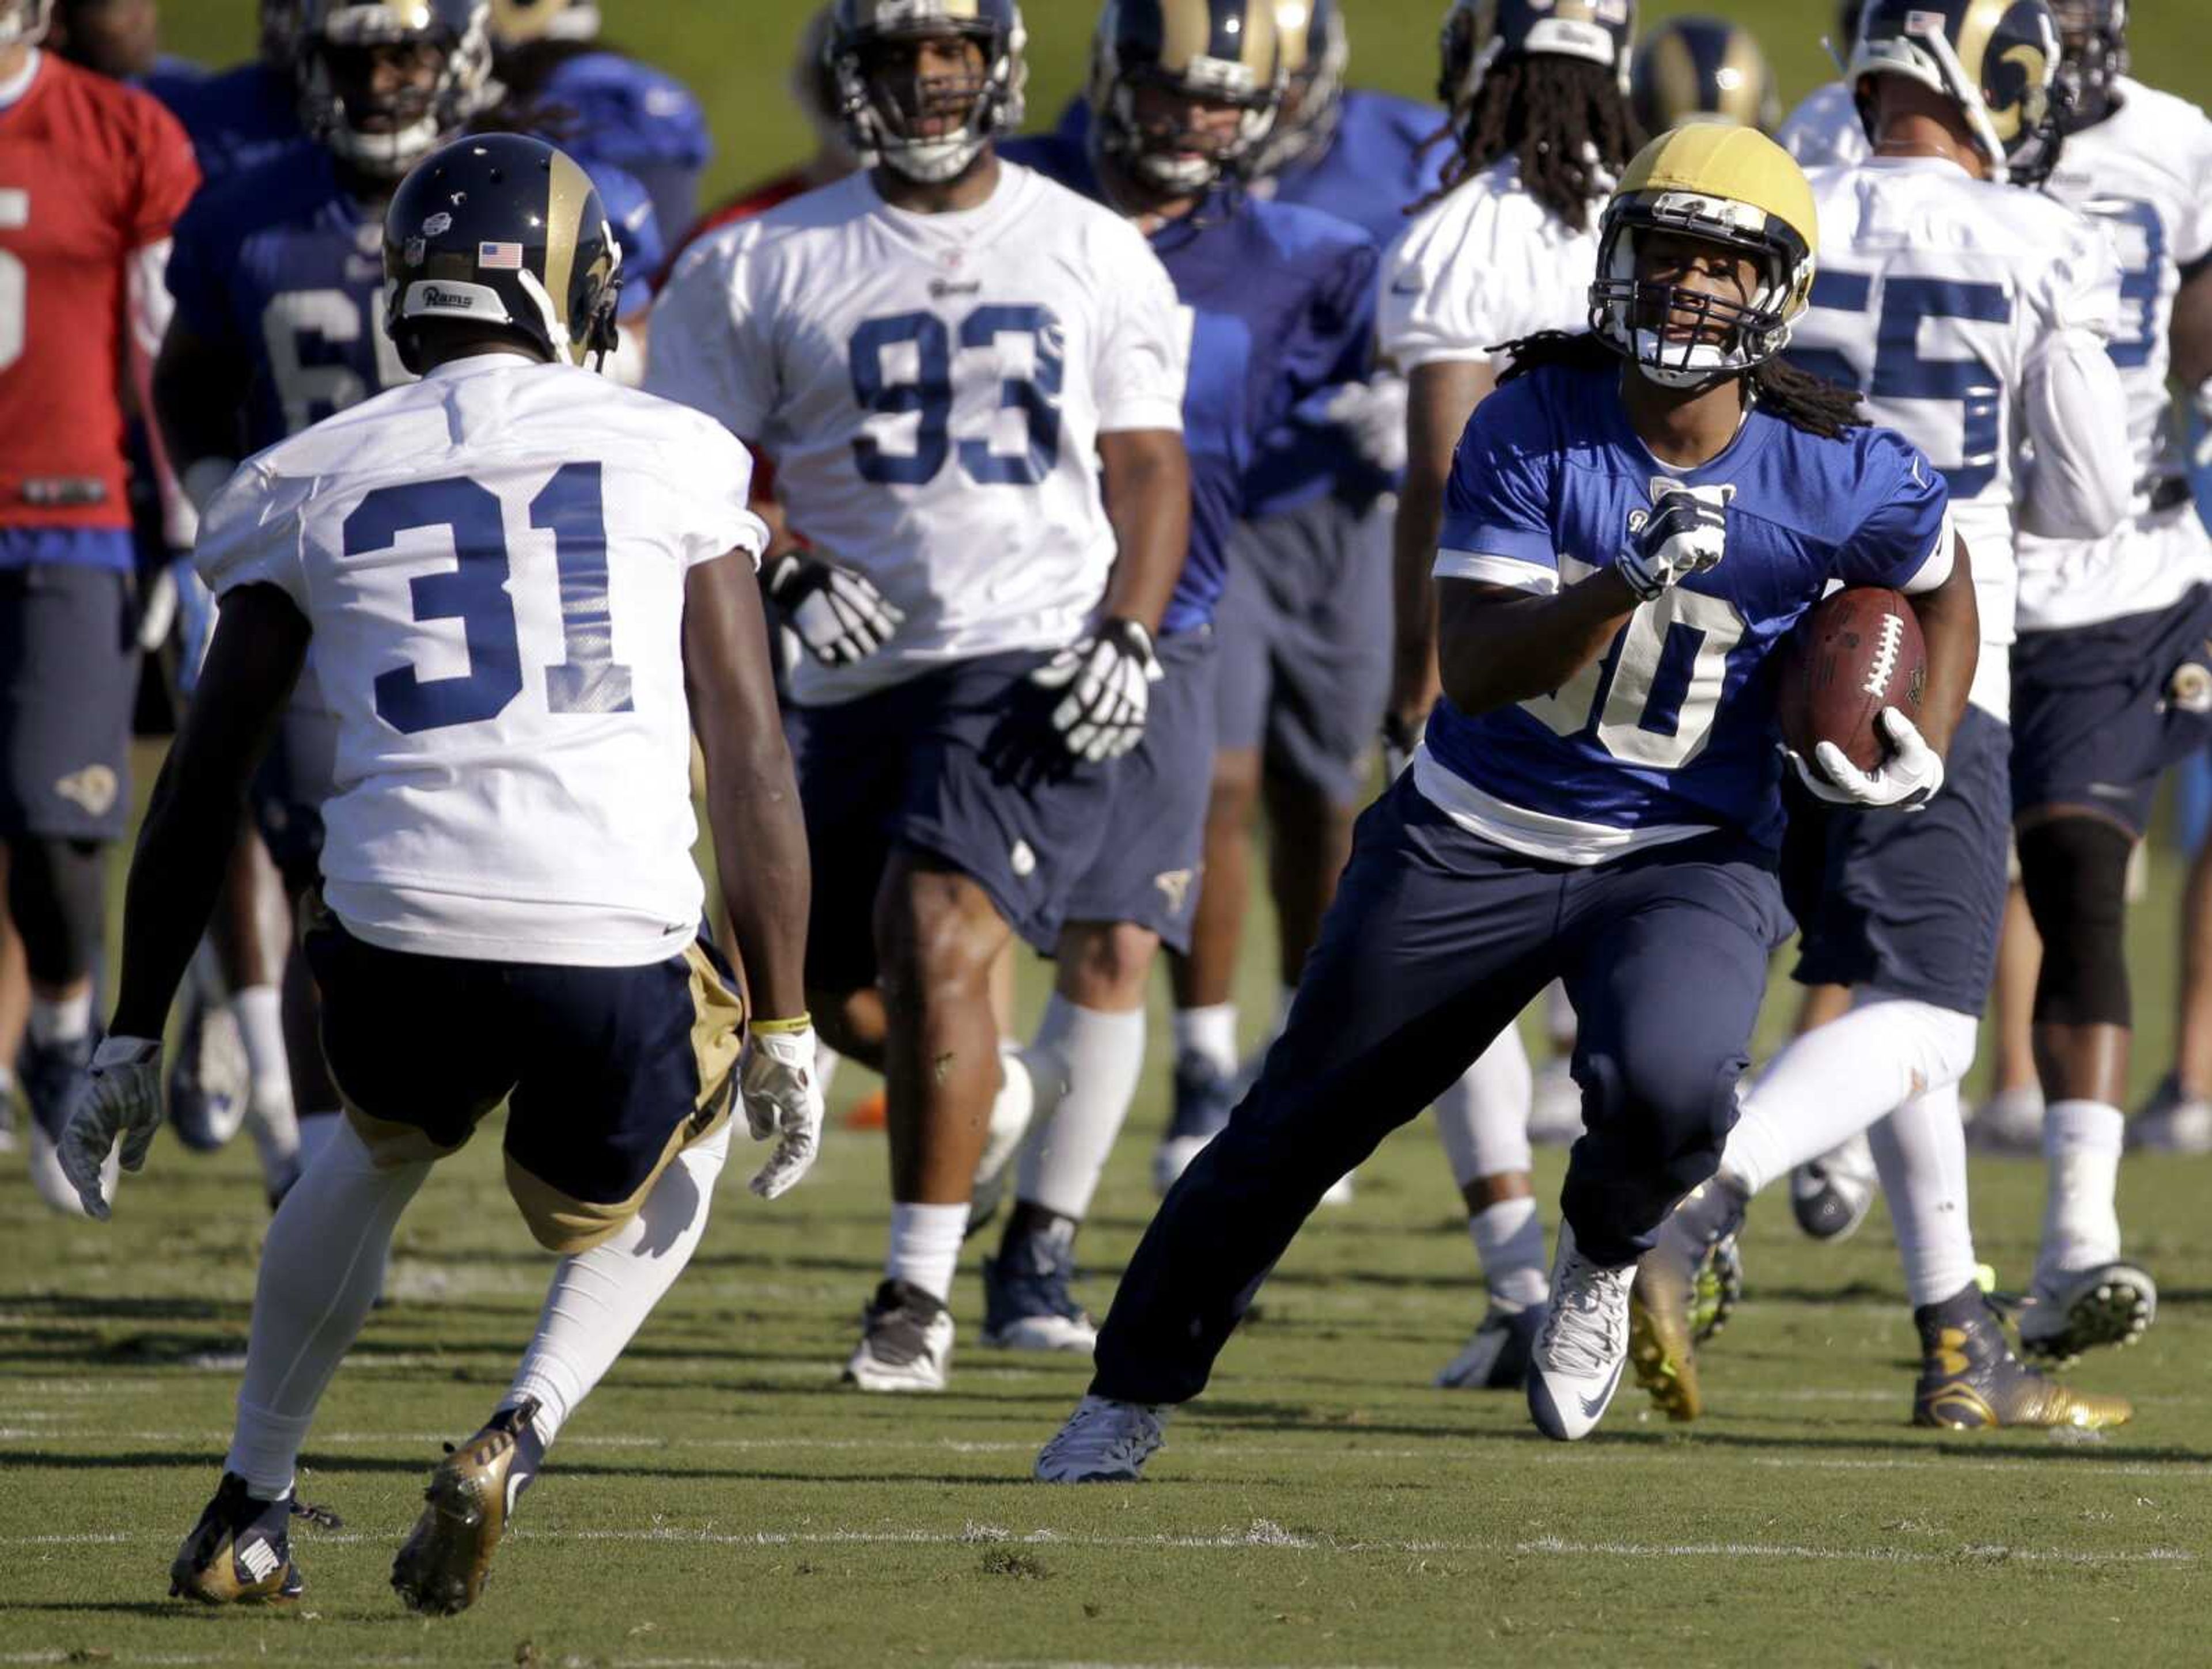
(1304,624)
(1281,302)
(243,116)
(625,114)
(1636,522)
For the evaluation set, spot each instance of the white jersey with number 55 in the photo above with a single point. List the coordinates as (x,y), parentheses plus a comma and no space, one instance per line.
(493,561)
(931,388)
(1975,317)
(2144,173)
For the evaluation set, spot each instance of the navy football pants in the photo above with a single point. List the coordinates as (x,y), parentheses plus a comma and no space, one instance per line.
(1436,941)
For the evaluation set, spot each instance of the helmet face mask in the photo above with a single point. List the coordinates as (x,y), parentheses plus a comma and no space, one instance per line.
(1705,257)
(25,22)
(2093,37)
(2013,104)
(1184,92)
(904,95)
(383,82)
(505,234)
(280,33)
(1478,34)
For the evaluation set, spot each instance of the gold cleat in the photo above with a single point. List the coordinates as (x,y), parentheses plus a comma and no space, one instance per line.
(1970,1380)
(443,1564)
(240,1553)
(1676,1297)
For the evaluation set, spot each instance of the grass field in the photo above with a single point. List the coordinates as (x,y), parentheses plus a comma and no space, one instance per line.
(722,1502)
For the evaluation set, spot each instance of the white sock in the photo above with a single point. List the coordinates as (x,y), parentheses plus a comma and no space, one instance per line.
(1833,1081)
(1100,1058)
(1483,1119)
(1209,1032)
(1509,1243)
(260,1011)
(1920,1154)
(2081,1143)
(925,1245)
(60,1019)
(598,1299)
(321,1268)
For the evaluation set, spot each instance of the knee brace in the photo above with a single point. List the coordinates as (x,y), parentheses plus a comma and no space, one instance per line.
(2074,870)
(58,894)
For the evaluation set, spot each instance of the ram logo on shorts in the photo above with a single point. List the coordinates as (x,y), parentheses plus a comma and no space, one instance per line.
(94,788)
(1174,886)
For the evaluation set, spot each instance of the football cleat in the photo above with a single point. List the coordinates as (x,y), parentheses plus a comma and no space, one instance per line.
(1666,1311)
(2173,1122)
(1011,1109)
(1496,1357)
(1969,1381)
(1555,1112)
(443,1564)
(1342,1191)
(240,1553)
(2069,1312)
(1026,1302)
(1204,1099)
(49,1074)
(1832,1195)
(906,1341)
(1720,1290)
(2008,1124)
(209,1079)
(1575,1365)
(1104,1441)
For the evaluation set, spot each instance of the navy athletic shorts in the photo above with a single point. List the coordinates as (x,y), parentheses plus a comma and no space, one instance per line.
(69,679)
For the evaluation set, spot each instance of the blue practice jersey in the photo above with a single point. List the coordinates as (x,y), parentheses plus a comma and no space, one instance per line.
(1671,733)
(283,266)
(641,120)
(236,120)
(1373,169)
(1282,304)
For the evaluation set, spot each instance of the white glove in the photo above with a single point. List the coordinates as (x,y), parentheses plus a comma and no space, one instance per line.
(1108,678)
(119,1097)
(782,1094)
(1685,533)
(838,613)
(1372,415)
(1904,781)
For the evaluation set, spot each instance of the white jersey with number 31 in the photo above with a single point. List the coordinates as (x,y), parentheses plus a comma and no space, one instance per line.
(493,561)
(931,388)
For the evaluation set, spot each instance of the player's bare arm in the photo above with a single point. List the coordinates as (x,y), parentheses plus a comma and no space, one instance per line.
(752,801)
(1950,624)
(260,641)
(1147,491)
(2191,333)
(198,391)
(1497,645)
(1440,398)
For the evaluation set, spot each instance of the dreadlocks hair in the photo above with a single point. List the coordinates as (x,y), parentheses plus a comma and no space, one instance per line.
(1801,399)
(1566,120)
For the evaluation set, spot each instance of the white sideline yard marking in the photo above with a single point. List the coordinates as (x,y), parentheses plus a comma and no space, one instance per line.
(1261,1534)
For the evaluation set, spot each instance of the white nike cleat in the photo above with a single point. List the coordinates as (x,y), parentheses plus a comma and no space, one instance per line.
(2070,1311)
(2172,1121)
(1583,1344)
(906,1341)
(1830,1196)
(1104,1441)
(1555,1112)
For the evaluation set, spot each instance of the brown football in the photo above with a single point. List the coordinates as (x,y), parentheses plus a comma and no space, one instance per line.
(1854,654)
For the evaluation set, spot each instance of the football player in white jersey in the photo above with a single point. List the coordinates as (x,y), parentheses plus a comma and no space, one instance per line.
(2109,682)
(1825,129)
(970,382)
(1539,112)
(527,588)
(1975,315)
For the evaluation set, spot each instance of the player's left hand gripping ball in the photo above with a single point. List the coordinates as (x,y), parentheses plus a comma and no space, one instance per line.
(1685,533)
(1904,781)
(119,1099)
(1108,678)
(782,1094)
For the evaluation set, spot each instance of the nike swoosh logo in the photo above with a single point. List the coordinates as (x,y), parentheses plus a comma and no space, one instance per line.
(1593,1407)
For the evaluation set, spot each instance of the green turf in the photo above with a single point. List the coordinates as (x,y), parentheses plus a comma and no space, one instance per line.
(735,53)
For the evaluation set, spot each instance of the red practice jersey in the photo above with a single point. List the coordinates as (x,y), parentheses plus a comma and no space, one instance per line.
(91,171)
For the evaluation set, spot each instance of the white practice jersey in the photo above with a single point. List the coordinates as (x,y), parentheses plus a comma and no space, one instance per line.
(1825,130)
(493,562)
(2145,174)
(1976,317)
(1486,265)
(932,389)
